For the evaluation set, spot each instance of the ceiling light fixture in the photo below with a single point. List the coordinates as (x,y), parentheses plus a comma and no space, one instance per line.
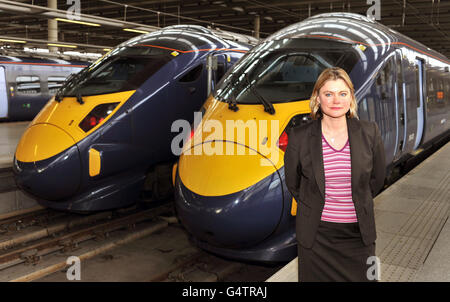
(238,9)
(77,22)
(136,30)
(12,41)
(61,45)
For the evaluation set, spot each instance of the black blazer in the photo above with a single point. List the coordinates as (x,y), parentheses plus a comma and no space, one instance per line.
(305,177)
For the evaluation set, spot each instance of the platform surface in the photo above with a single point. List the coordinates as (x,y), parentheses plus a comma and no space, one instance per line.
(413,231)
(10,134)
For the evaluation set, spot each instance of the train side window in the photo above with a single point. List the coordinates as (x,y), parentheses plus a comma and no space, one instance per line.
(383,92)
(440,91)
(192,75)
(28,85)
(54,83)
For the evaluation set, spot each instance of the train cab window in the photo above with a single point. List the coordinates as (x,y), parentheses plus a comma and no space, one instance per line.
(284,71)
(290,77)
(192,75)
(54,83)
(117,73)
(28,85)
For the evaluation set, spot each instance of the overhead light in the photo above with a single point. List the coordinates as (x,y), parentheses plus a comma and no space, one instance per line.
(107,49)
(136,30)
(12,41)
(77,22)
(268,18)
(61,45)
(238,9)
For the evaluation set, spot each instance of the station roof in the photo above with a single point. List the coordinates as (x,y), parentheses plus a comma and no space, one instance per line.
(423,20)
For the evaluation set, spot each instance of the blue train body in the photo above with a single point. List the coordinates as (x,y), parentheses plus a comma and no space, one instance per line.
(400,84)
(150,81)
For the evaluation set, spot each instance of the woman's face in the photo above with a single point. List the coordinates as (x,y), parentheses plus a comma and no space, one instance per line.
(335,98)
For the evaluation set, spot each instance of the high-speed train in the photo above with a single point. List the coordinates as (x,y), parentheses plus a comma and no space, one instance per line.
(230,189)
(27,83)
(106,135)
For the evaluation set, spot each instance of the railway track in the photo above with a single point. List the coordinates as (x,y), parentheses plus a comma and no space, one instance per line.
(35,246)
(31,244)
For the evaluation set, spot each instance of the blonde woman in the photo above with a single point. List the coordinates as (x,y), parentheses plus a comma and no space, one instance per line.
(334,166)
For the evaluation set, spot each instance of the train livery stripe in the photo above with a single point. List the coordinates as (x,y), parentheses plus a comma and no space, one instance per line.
(378,44)
(196,50)
(42,64)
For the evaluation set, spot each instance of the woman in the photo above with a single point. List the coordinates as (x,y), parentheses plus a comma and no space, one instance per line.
(333,168)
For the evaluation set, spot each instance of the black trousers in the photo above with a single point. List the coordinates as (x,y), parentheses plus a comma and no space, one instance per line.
(338,254)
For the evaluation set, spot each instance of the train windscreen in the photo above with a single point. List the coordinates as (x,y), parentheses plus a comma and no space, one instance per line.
(284,71)
(123,70)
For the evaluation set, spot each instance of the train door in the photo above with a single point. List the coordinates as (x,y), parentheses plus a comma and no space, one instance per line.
(411,78)
(420,102)
(3,94)
(400,106)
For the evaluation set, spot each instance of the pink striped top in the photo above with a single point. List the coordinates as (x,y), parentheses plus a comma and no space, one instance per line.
(339,205)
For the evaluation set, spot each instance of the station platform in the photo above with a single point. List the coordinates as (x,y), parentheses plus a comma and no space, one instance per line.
(413,231)
(12,200)
(10,134)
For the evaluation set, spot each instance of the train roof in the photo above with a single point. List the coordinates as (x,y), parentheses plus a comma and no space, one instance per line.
(192,37)
(355,29)
(40,61)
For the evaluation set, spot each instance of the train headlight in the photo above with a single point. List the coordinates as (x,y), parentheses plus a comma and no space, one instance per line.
(97,115)
(297,120)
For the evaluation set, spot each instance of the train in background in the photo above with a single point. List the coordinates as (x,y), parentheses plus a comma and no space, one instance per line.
(106,135)
(238,206)
(27,83)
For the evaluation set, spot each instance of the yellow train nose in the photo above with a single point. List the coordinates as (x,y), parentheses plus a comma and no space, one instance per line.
(42,141)
(217,175)
(47,163)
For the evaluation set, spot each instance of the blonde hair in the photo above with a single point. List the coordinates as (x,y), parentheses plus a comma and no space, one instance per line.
(334,74)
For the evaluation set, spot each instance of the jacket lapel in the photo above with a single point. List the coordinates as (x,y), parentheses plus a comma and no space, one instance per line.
(355,139)
(316,155)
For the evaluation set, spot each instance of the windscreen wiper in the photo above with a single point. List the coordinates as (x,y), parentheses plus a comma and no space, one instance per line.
(232,104)
(268,107)
(80,98)
(71,81)
(61,91)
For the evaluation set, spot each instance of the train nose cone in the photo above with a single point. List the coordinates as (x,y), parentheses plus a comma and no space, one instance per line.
(47,163)
(228,201)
